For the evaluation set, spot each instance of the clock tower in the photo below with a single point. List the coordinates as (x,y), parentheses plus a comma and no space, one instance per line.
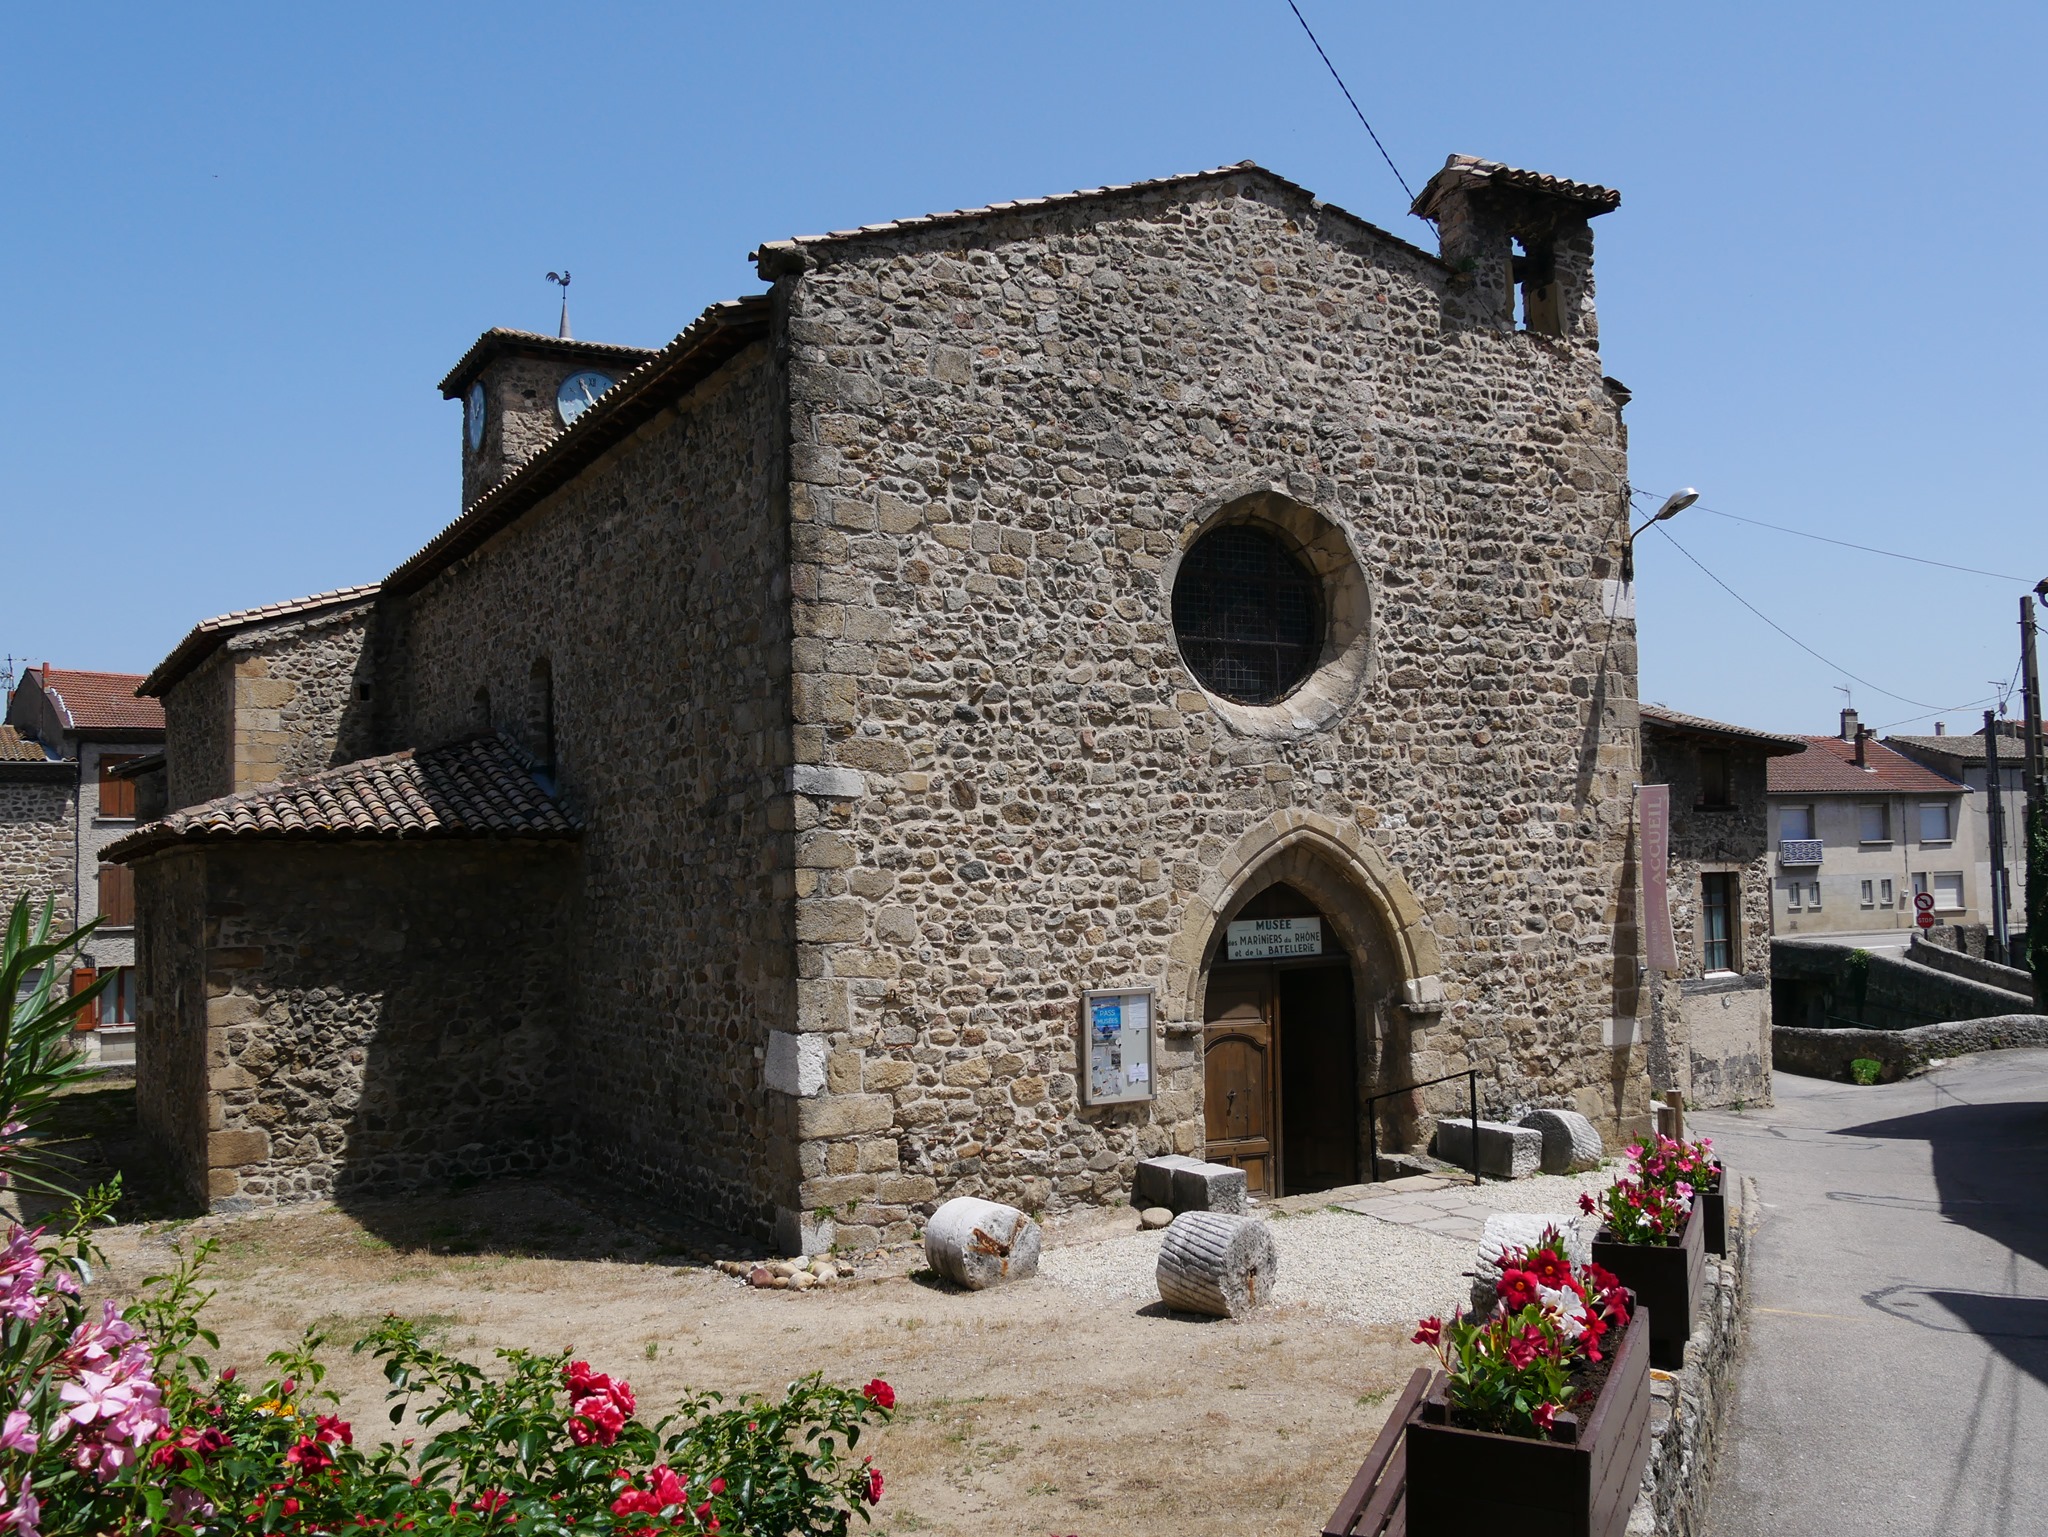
(519,391)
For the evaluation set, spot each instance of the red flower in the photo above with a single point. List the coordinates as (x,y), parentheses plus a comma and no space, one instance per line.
(874,1489)
(1549,1268)
(310,1456)
(718,1486)
(1517,1288)
(1431,1333)
(228,1375)
(1520,1352)
(1545,1415)
(333,1428)
(1587,1204)
(880,1394)
(1605,1279)
(289,1386)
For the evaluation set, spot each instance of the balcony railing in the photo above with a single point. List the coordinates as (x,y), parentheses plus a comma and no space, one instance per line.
(1799,851)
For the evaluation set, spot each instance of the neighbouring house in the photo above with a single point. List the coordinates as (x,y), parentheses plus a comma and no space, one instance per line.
(1966,758)
(1140,671)
(1710,1018)
(64,799)
(1860,830)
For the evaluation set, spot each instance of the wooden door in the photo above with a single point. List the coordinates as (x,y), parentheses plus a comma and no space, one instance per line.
(1319,1078)
(1238,1077)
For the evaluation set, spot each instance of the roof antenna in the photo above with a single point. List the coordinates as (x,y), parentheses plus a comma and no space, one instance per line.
(562,277)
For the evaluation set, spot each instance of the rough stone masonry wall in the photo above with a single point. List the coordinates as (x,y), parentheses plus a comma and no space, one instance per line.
(999,439)
(655,587)
(170,995)
(372,1015)
(36,839)
(1715,1033)
(199,733)
(300,698)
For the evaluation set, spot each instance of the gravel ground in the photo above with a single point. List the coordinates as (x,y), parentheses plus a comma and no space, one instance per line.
(1354,1267)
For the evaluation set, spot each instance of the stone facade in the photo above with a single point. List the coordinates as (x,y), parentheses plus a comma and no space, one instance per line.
(294,1023)
(851,641)
(37,840)
(1710,1030)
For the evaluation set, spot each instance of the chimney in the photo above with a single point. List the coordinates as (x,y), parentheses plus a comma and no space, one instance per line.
(1863,735)
(1849,726)
(1941,728)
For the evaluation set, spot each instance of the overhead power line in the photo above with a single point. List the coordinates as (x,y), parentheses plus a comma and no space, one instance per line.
(1847,544)
(1354,105)
(1802,645)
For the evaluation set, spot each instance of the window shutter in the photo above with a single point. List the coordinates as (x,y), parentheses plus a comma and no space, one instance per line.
(117,896)
(87,1018)
(117,796)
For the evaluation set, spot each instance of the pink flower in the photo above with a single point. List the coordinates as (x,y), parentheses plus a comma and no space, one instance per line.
(19,1433)
(24,1516)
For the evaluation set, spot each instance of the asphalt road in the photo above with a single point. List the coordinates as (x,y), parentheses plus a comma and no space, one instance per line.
(1895,1377)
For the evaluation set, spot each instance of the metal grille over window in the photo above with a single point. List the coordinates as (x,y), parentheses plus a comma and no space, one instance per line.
(1248,615)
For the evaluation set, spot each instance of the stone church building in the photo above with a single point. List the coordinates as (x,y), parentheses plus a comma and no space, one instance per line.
(1045,685)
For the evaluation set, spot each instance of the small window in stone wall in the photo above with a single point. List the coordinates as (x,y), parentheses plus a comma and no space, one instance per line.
(1714,778)
(1717,921)
(543,725)
(1248,614)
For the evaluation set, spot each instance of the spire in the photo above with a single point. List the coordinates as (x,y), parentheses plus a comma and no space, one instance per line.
(562,278)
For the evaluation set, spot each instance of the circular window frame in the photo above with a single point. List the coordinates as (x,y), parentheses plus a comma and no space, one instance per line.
(1344,664)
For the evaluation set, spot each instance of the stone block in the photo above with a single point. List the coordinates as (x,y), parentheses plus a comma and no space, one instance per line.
(1505,1152)
(1180,1184)
(796,1063)
(1569,1140)
(843,1115)
(231,1149)
(1152,1183)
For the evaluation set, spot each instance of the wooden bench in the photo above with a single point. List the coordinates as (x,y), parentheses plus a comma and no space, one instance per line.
(1376,1504)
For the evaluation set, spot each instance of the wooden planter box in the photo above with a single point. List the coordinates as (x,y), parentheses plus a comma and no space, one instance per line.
(1714,1215)
(1668,1279)
(1581,1484)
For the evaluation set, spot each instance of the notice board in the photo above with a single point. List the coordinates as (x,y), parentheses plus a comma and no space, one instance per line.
(1116,1046)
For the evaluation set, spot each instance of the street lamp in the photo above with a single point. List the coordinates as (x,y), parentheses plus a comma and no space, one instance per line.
(1674,504)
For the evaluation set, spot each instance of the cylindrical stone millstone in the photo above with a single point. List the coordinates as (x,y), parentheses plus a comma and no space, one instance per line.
(976,1244)
(1217,1264)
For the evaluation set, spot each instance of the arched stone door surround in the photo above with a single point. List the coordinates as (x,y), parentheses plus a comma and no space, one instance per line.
(1373,914)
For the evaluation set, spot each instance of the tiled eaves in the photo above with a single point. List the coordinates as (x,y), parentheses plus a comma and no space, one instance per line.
(504,339)
(777,258)
(1772,745)
(1467,170)
(483,787)
(200,642)
(711,340)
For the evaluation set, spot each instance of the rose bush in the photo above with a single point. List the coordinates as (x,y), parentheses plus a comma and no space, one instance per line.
(1513,1370)
(115,1423)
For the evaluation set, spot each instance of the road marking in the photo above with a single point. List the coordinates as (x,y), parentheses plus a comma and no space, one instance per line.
(1840,1318)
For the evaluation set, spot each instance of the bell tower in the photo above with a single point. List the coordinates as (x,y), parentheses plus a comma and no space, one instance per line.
(520,391)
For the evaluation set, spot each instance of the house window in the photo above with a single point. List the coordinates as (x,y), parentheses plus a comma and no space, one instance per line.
(1714,785)
(1884,893)
(1813,895)
(117,896)
(1948,891)
(1792,893)
(1874,822)
(1248,614)
(1936,823)
(117,796)
(1870,894)
(1717,921)
(1795,822)
(117,1003)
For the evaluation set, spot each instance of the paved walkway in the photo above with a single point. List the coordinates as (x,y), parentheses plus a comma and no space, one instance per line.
(1895,1378)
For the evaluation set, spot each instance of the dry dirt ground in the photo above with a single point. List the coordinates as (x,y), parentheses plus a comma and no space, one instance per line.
(1026,1409)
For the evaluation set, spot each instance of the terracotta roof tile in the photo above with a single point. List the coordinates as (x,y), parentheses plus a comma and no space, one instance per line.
(1828,767)
(203,637)
(775,257)
(16,748)
(99,701)
(1675,720)
(484,787)
(1470,170)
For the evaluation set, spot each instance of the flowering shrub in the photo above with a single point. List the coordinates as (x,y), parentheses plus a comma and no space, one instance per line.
(1651,1204)
(114,1423)
(1512,1371)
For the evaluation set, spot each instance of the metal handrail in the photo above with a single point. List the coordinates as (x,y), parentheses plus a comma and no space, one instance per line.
(1372,1130)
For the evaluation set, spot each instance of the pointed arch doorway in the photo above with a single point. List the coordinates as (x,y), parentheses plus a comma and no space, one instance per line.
(1283,1039)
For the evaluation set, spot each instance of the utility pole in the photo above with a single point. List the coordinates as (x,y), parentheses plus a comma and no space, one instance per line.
(1994,813)
(2036,821)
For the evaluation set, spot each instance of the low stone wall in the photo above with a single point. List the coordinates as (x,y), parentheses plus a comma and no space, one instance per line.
(1690,1405)
(1817,984)
(1828,1053)
(1960,963)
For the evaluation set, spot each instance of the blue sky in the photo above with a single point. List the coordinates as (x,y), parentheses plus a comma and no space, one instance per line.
(243,243)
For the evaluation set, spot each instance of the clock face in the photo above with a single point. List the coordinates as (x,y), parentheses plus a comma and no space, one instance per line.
(476,416)
(579,393)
